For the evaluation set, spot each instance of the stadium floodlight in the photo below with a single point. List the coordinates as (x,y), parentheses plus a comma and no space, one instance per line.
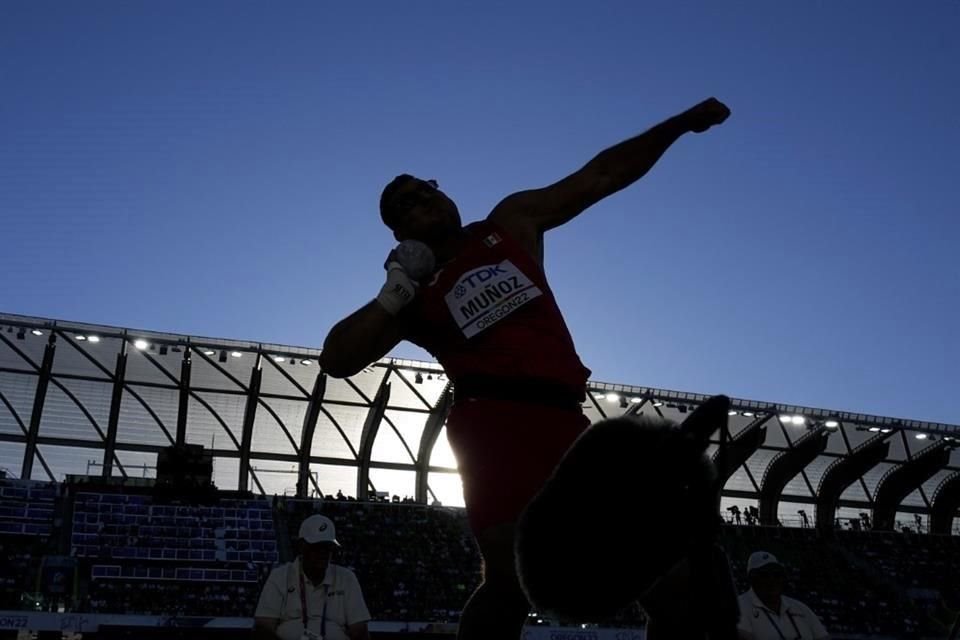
(921,436)
(235,354)
(798,420)
(657,403)
(278,358)
(732,412)
(93,339)
(748,414)
(306,362)
(141,344)
(831,424)
(874,429)
(209,352)
(636,400)
(79,338)
(886,430)
(37,332)
(613,397)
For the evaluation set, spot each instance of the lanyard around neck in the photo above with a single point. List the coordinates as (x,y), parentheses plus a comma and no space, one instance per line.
(304,615)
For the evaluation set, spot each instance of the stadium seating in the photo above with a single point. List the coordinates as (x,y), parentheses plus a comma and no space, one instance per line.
(26,524)
(147,554)
(414,562)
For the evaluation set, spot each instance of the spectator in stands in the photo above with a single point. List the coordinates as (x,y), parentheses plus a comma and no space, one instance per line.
(312,598)
(767,614)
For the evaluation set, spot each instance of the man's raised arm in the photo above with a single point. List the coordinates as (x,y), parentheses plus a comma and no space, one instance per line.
(527,214)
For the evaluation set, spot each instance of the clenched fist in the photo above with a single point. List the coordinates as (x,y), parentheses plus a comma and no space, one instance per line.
(708,113)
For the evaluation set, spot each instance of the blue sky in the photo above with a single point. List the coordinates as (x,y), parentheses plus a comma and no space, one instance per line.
(214,168)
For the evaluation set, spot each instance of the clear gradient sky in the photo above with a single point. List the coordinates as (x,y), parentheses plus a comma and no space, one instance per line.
(213,168)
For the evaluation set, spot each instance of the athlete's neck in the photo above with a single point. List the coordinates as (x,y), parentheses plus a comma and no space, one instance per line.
(447,248)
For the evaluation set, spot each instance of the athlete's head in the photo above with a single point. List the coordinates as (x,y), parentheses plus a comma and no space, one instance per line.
(418,209)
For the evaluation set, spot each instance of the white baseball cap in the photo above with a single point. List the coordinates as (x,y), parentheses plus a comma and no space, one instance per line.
(761,559)
(318,528)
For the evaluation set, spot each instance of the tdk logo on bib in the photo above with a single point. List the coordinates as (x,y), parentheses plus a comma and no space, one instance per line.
(487,294)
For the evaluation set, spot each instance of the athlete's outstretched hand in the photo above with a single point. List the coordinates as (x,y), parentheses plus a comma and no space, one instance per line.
(708,113)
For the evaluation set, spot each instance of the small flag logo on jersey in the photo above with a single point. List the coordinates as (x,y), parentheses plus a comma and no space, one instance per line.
(491,239)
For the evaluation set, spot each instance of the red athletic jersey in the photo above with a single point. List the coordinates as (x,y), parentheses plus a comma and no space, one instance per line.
(489,312)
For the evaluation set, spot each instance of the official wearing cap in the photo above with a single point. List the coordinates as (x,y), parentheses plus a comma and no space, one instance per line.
(312,598)
(767,614)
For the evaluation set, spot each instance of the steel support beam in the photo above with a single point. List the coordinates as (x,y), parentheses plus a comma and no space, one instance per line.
(370,428)
(249,415)
(306,433)
(113,421)
(785,466)
(39,397)
(435,422)
(842,473)
(901,480)
(184,400)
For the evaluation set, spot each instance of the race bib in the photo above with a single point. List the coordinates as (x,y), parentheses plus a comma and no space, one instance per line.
(485,295)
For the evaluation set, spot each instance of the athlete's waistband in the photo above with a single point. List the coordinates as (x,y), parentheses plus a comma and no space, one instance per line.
(528,390)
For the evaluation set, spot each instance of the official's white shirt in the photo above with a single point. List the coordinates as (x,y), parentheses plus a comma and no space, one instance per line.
(794,622)
(340,590)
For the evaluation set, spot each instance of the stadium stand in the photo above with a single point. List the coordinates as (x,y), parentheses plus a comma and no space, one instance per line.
(181,559)
(26,526)
(415,562)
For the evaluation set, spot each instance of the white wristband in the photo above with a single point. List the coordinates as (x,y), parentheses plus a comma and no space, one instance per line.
(398,291)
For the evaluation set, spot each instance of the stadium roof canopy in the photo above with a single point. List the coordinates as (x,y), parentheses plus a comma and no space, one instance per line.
(96,400)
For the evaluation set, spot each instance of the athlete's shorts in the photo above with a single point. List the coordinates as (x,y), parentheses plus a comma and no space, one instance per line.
(505,451)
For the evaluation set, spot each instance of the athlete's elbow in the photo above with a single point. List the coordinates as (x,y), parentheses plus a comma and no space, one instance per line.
(337,366)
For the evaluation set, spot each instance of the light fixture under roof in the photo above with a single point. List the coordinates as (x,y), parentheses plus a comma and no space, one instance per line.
(209,352)
(612,397)
(141,344)
(636,400)
(887,430)
(93,339)
(921,436)
(278,358)
(732,412)
(79,338)
(748,414)
(235,354)
(831,424)
(657,403)
(37,332)
(306,362)
(874,429)
(798,420)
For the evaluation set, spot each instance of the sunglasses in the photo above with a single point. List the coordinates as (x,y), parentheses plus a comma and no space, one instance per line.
(420,194)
